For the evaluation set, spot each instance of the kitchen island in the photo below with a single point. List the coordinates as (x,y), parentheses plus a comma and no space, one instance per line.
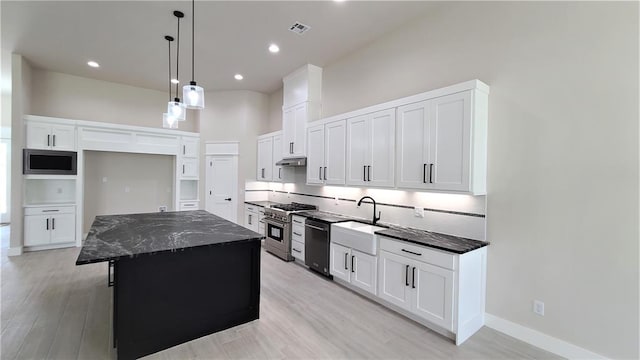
(177,276)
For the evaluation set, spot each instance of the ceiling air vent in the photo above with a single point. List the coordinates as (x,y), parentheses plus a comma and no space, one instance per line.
(299,28)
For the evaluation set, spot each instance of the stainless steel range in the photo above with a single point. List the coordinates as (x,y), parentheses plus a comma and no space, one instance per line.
(277,220)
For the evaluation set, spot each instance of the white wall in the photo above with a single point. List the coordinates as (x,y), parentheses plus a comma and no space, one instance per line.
(234,116)
(562,201)
(122,183)
(5,132)
(275,111)
(73,97)
(21,73)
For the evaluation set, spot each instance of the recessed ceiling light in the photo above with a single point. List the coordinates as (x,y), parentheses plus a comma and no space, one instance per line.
(93,64)
(175,81)
(238,76)
(274,48)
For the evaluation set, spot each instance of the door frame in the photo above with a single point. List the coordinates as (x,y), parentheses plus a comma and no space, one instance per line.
(225,150)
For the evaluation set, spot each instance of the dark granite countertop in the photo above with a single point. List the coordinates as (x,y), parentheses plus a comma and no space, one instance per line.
(451,243)
(264,204)
(116,236)
(329,217)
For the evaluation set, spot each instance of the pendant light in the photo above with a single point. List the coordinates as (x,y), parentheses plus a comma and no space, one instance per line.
(175,107)
(193,94)
(168,121)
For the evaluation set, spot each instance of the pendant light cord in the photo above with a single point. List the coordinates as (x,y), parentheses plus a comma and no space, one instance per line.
(178,59)
(193,27)
(169,41)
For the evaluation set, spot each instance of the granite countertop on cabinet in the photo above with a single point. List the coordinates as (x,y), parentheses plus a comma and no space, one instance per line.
(117,236)
(264,204)
(329,217)
(451,243)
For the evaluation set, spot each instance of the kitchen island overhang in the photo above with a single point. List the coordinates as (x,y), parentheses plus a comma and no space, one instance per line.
(177,276)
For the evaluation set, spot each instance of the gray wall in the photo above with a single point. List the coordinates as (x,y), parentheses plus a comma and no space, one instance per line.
(122,183)
(562,201)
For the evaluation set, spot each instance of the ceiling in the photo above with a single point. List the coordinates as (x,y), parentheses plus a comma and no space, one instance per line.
(127,37)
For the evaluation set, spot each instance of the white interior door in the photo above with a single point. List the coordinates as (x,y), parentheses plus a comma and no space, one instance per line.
(221,185)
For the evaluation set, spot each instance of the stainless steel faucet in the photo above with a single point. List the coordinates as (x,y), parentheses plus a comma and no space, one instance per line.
(375,219)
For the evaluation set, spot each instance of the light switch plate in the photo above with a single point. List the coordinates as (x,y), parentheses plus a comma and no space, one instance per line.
(162,208)
(418,211)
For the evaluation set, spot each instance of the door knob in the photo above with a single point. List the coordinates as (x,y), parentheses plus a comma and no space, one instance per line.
(227,199)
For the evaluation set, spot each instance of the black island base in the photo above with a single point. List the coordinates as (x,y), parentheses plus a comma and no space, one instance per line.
(186,275)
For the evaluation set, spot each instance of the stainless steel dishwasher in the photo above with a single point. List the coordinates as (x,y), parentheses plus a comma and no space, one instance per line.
(316,246)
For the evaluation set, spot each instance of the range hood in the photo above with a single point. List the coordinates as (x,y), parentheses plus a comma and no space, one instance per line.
(298,161)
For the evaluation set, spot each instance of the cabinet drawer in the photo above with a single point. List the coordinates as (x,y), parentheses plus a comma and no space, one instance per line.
(49,210)
(251,208)
(297,233)
(297,250)
(298,220)
(420,253)
(192,205)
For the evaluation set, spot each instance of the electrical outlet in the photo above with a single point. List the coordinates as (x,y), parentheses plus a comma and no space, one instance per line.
(127,189)
(418,212)
(162,208)
(59,190)
(104,179)
(538,307)
(335,200)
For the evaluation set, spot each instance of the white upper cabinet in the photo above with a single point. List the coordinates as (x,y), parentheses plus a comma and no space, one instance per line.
(315,154)
(442,143)
(301,104)
(265,158)
(189,147)
(326,153)
(277,156)
(50,136)
(302,85)
(371,149)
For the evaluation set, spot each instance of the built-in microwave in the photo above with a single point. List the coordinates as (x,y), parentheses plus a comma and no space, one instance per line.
(49,162)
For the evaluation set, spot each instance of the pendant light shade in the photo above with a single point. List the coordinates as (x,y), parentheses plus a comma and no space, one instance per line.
(193,94)
(177,110)
(169,122)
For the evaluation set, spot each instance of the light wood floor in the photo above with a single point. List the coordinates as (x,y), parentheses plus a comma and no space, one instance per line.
(54,309)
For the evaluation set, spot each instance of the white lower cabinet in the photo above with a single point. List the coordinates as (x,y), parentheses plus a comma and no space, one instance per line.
(297,250)
(423,289)
(251,218)
(355,267)
(49,226)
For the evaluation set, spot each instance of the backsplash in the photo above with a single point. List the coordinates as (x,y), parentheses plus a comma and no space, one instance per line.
(454,214)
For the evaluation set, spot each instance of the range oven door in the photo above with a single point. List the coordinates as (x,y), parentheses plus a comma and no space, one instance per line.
(276,234)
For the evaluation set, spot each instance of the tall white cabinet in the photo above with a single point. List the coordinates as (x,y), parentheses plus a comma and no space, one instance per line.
(265,158)
(188,174)
(326,153)
(370,149)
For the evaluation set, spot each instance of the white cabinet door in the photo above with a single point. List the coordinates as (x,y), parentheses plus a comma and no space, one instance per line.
(365,271)
(63,137)
(63,228)
(189,168)
(277,156)
(412,137)
(315,155)
(357,150)
(380,169)
(251,218)
(297,250)
(433,294)
(36,230)
(300,131)
(265,159)
(190,147)
(340,260)
(450,141)
(38,135)
(393,278)
(288,132)
(335,153)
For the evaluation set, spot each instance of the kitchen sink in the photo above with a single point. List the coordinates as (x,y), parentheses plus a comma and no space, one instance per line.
(356,235)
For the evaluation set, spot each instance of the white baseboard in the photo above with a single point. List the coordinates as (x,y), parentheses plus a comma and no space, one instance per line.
(538,339)
(14,251)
